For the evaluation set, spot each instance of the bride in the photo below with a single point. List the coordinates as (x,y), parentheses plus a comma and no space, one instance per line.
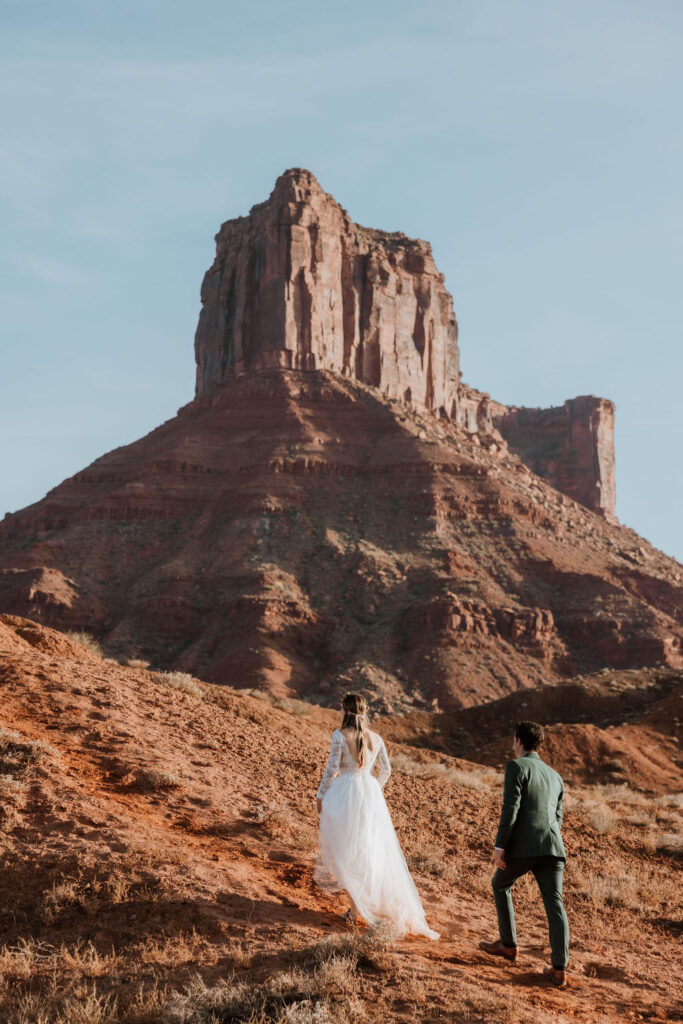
(359,851)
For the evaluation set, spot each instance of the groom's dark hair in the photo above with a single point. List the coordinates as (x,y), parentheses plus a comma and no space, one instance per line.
(530,734)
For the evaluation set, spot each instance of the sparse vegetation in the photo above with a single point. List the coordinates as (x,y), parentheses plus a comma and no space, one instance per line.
(122,909)
(18,751)
(86,640)
(670,842)
(602,818)
(73,1002)
(428,859)
(261,813)
(481,779)
(148,778)
(180,681)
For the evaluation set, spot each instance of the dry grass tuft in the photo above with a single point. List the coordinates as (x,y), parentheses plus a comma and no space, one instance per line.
(263,813)
(670,800)
(19,751)
(94,890)
(73,1003)
(602,818)
(12,791)
(180,681)
(323,994)
(148,778)
(137,663)
(320,988)
(670,842)
(428,859)
(474,1006)
(86,640)
(474,779)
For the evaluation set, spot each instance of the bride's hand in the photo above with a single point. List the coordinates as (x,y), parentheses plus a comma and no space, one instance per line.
(319,804)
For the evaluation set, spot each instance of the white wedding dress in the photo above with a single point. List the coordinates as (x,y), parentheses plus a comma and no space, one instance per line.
(359,850)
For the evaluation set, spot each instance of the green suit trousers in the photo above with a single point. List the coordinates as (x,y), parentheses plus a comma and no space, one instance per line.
(549,874)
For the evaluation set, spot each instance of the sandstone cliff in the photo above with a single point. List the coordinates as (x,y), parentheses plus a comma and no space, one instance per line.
(298,285)
(294,531)
(571,446)
(335,508)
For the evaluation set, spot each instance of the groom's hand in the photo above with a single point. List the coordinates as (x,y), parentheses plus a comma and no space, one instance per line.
(319,805)
(498,858)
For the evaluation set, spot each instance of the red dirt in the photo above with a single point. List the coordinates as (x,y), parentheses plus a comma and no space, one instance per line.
(230,852)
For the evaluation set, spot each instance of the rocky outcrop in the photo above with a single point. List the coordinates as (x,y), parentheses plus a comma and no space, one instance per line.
(297,532)
(335,509)
(298,285)
(571,445)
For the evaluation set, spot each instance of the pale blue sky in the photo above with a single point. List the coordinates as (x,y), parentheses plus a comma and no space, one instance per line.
(537,144)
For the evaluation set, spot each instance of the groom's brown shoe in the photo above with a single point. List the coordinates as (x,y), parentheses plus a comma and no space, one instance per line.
(556,976)
(498,949)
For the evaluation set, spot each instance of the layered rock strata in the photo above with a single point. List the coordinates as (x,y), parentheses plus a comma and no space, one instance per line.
(571,445)
(298,285)
(296,532)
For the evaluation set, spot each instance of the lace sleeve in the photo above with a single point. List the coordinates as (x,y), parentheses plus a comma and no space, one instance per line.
(384,764)
(332,764)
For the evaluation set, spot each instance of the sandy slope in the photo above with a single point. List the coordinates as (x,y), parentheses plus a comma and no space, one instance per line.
(125,881)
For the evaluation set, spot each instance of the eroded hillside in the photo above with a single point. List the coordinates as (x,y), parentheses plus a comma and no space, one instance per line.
(158,835)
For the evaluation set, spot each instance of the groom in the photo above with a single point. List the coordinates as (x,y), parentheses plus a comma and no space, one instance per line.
(529,840)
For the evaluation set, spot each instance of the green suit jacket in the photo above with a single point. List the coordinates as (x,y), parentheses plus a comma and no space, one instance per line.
(531,817)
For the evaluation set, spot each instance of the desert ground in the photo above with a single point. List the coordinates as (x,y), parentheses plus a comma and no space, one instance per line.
(158,835)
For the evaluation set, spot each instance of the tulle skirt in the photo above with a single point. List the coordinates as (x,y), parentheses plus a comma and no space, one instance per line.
(360,853)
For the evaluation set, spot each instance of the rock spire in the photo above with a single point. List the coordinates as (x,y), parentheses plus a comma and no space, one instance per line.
(298,285)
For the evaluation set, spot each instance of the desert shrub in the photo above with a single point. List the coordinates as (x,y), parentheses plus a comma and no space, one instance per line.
(620,793)
(323,995)
(210,744)
(610,890)
(670,800)
(19,749)
(262,813)
(179,681)
(137,663)
(151,779)
(73,1003)
(476,1006)
(294,706)
(320,988)
(430,860)
(29,956)
(602,818)
(473,779)
(405,765)
(258,694)
(91,891)
(86,640)
(12,791)
(670,842)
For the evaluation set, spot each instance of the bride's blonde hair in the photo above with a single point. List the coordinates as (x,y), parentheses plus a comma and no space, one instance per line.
(356,717)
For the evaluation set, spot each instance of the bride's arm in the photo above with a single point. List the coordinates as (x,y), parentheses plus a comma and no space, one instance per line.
(332,765)
(384,765)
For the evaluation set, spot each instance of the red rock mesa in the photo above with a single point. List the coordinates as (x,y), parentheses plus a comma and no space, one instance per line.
(336,508)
